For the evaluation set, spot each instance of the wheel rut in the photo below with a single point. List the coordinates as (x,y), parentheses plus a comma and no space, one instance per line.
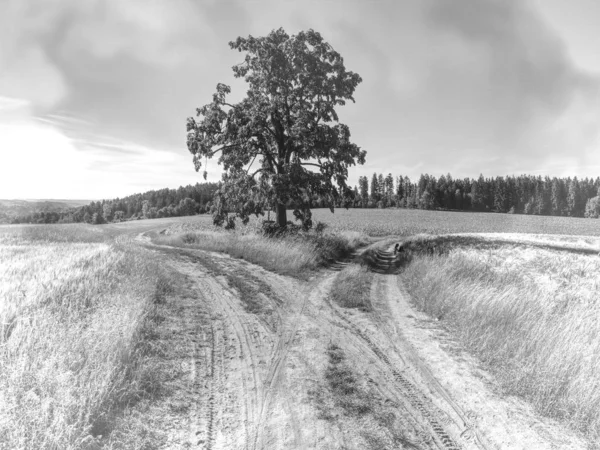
(250,376)
(416,399)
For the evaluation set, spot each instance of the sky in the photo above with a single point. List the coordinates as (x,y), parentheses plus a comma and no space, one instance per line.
(94,94)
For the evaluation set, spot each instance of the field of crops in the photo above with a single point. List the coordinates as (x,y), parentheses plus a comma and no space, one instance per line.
(384,222)
(73,306)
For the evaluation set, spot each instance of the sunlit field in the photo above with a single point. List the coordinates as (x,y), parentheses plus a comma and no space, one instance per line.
(294,255)
(405,222)
(73,307)
(76,302)
(402,222)
(530,313)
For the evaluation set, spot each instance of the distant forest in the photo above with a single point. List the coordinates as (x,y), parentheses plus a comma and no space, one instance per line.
(183,201)
(524,194)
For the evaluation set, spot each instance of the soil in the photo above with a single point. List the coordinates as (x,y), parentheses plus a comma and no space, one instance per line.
(255,369)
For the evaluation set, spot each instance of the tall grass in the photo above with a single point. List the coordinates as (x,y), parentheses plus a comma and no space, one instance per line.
(71,318)
(530,314)
(293,254)
(353,288)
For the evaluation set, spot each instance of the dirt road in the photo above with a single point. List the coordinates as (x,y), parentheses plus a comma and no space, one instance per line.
(268,362)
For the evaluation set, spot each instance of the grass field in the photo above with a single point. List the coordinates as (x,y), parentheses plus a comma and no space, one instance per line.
(74,306)
(405,222)
(530,313)
(521,292)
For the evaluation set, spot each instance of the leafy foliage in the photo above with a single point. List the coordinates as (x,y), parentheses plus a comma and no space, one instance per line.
(287,124)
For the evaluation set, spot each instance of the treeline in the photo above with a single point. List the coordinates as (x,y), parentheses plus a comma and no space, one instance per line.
(183,201)
(524,194)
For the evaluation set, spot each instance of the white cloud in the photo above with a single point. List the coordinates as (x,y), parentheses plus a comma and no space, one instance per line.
(38,160)
(25,70)
(154,31)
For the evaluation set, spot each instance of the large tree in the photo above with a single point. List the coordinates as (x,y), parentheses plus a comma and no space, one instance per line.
(283,142)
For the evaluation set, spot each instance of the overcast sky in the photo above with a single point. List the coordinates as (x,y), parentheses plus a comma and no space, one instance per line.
(94,94)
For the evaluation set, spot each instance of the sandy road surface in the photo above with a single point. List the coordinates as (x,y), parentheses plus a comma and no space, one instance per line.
(256,358)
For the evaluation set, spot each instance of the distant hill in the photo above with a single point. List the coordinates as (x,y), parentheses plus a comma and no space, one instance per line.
(10,209)
(183,201)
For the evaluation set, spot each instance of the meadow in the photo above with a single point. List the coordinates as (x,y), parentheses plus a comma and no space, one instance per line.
(528,312)
(74,307)
(406,222)
(77,302)
(403,222)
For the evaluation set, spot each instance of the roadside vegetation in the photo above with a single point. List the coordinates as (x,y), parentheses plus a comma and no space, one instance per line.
(353,288)
(529,312)
(294,254)
(75,311)
(346,398)
(344,385)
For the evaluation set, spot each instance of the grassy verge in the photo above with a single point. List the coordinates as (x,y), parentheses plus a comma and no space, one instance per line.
(347,399)
(531,314)
(293,255)
(343,384)
(353,288)
(73,318)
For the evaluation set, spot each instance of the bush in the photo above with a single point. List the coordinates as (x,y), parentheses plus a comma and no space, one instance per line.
(320,227)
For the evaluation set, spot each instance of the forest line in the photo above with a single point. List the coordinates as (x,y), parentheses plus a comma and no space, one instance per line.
(523,194)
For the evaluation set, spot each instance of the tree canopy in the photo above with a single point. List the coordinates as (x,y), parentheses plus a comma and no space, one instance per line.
(283,143)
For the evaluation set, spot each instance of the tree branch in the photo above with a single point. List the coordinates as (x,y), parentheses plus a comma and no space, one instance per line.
(262,169)
(270,131)
(253,159)
(312,164)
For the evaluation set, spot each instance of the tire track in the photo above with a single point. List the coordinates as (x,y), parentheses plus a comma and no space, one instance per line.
(232,361)
(252,390)
(417,399)
(285,340)
(468,419)
(211,396)
(252,375)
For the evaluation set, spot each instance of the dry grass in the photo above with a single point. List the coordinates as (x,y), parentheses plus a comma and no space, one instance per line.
(353,288)
(529,313)
(73,310)
(293,255)
(342,382)
(348,399)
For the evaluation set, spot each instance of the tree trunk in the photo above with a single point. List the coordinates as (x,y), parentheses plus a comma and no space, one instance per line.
(281,215)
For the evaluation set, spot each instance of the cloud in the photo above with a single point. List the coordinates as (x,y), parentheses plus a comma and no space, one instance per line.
(131,66)
(458,86)
(469,87)
(155,32)
(59,156)
(25,69)
(38,161)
